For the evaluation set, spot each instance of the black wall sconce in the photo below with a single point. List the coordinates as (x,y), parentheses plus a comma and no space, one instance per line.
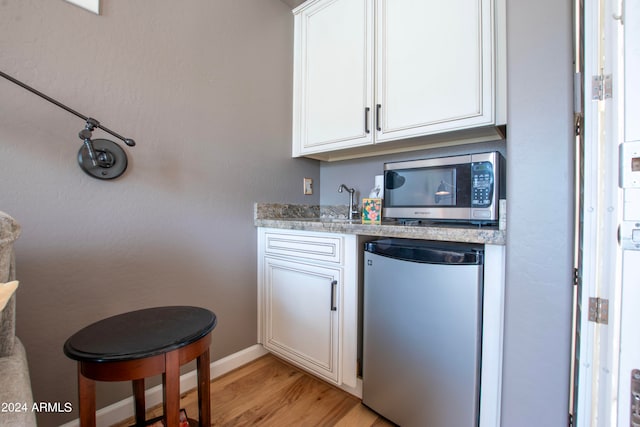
(100,158)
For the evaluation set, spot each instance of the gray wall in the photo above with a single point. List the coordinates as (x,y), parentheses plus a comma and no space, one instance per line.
(540,210)
(204,87)
(540,214)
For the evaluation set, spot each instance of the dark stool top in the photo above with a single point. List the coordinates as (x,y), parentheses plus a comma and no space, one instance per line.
(140,334)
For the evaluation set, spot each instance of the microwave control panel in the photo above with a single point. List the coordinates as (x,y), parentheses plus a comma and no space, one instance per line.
(481,184)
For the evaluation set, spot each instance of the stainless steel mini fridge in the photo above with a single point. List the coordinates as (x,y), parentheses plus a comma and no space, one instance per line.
(422,331)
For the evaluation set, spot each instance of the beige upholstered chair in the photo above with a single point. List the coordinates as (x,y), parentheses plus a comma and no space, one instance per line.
(15,390)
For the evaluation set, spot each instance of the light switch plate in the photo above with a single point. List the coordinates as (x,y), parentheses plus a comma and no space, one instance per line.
(630,164)
(630,235)
(308,186)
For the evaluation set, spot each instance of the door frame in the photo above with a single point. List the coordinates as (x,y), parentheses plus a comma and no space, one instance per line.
(598,254)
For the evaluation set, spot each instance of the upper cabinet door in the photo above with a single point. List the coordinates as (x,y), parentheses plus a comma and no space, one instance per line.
(333,76)
(435,66)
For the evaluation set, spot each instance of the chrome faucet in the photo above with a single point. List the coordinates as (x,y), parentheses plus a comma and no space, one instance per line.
(352,208)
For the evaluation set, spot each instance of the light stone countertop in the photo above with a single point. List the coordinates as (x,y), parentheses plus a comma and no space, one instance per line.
(331,220)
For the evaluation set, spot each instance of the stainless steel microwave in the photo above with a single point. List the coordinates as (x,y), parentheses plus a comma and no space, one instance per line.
(463,188)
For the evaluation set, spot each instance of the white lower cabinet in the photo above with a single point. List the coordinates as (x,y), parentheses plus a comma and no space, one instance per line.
(301,315)
(307,291)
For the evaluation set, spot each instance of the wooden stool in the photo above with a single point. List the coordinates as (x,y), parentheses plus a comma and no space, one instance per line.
(140,344)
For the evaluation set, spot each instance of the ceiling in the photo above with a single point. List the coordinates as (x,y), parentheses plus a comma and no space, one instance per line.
(293,3)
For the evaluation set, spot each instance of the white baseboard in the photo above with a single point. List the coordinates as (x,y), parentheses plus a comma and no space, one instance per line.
(124,409)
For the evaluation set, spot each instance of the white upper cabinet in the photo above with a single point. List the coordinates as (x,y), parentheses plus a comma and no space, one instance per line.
(333,88)
(373,71)
(435,67)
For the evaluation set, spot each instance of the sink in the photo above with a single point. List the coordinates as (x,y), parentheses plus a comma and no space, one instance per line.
(326,220)
(341,220)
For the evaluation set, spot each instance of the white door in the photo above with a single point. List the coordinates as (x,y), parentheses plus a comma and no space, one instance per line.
(629,372)
(435,66)
(302,315)
(333,76)
(610,352)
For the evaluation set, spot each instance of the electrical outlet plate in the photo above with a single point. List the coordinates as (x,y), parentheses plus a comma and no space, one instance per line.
(308,186)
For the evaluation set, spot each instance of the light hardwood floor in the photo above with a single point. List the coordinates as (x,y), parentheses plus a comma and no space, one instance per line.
(270,392)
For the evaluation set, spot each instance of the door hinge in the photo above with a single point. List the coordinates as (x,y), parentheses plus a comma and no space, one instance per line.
(601,87)
(576,277)
(599,310)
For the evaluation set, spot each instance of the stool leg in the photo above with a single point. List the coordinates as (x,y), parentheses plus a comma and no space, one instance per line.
(204,398)
(171,388)
(87,399)
(138,396)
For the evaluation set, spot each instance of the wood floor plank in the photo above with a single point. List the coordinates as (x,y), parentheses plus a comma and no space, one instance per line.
(307,402)
(270,392)
(359,415)
(251,391)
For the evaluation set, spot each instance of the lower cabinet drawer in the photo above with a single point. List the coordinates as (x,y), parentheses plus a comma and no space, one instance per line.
(318,248)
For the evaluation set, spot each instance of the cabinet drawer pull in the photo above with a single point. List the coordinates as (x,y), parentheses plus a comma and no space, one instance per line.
(366,119)
(378,107)
(333,295)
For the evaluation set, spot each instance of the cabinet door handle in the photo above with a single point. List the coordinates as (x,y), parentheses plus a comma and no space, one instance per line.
(333,295)
(366,119)
(378,107)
